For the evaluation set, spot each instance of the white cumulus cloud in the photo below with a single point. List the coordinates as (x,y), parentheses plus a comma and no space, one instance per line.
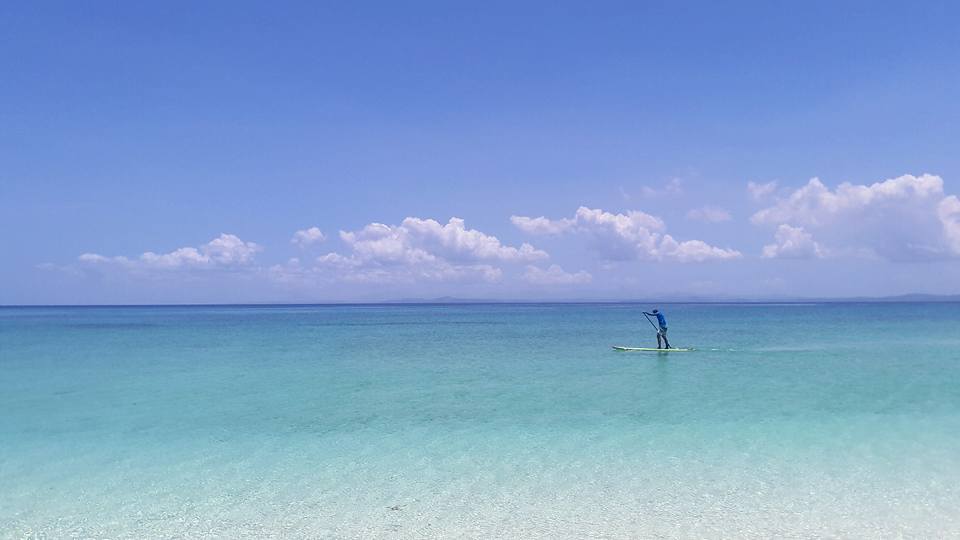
(454,240)
(225,251)
(634,235)
(792,243)
(949,213)
(901,218)
(305,237)
(416,250)
(555,275)
(694,251)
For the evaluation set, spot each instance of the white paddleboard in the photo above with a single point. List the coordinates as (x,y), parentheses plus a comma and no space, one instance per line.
(648,349)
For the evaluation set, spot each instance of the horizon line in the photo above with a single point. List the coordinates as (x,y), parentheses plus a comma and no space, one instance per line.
(903,298)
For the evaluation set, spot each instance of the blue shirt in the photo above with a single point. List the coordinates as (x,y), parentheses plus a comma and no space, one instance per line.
(660,318)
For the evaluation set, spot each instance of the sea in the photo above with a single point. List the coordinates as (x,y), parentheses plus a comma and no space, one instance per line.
(796,420)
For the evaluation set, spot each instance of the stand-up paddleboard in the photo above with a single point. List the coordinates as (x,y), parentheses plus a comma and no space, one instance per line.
(648,349)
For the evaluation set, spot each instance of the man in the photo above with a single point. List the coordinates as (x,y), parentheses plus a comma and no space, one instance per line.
(662,333)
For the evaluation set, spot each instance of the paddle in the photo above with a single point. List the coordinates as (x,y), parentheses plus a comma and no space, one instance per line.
(655,327)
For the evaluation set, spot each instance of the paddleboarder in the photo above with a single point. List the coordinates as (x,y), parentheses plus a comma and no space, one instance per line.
(662,323)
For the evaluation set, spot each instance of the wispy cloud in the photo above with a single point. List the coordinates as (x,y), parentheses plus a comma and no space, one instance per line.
(760,192)
(709,214)
(555,275)
(673,187)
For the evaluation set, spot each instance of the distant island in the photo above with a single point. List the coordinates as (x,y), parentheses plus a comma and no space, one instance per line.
(911,297)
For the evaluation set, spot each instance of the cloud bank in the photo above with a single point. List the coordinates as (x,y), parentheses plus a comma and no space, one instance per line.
(906,218)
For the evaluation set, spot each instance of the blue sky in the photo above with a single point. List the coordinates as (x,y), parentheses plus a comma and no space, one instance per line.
(205,136)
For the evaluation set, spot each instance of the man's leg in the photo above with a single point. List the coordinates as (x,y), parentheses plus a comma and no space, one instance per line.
(659,346)
(663,332)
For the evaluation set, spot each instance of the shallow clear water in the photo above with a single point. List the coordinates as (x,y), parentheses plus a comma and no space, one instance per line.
(480,421)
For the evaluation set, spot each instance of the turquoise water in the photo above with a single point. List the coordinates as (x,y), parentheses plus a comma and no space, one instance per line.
(480,421)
